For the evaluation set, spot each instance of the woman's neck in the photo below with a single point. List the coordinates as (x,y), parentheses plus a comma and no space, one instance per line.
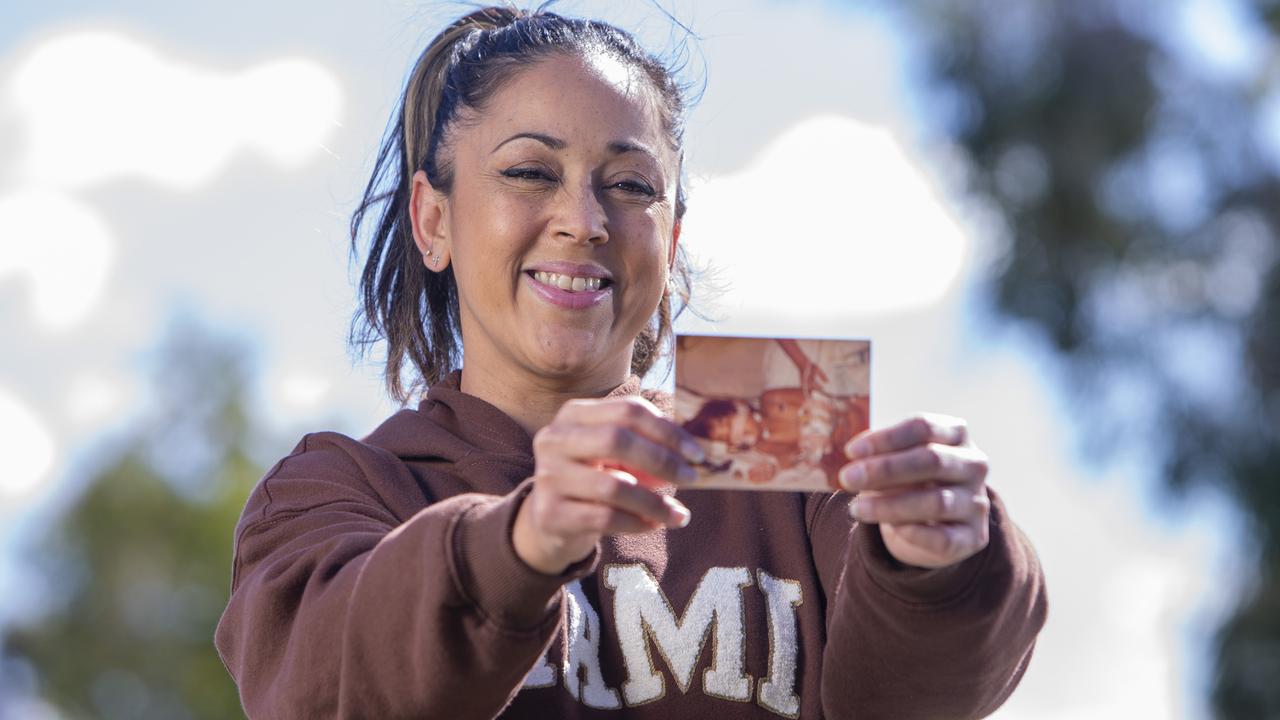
(532,400)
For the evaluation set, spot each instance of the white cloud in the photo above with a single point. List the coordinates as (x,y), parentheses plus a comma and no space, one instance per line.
(833,217)
(26,450)
(301,391)
(62,248)
(92,398)
(95,106)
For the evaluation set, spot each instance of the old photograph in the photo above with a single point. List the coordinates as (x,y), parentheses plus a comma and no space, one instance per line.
(772,413)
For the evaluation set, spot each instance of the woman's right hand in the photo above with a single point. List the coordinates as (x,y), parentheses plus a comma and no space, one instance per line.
(594,465)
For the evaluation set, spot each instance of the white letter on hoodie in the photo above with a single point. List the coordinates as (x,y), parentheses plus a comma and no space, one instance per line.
(778,692)
(584,652)
(640,605)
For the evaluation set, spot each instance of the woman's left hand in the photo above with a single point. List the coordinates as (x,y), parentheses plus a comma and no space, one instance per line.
(924,482)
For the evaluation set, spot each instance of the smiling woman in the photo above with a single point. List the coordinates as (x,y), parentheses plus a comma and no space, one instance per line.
(516,546)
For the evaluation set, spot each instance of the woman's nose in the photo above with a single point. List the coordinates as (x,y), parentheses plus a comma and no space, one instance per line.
(579,215)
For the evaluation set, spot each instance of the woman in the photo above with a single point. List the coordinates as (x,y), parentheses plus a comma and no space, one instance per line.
(517,544)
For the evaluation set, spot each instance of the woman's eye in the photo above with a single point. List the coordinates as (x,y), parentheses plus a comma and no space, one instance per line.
(634,187)
(526,174)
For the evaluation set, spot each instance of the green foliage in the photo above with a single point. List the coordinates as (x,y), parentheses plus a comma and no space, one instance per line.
(1142,204)
(142,559)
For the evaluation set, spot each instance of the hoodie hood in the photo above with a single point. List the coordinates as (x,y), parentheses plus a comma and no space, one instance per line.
(451,426)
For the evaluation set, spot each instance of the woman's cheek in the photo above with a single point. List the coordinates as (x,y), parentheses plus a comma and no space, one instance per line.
(652,294)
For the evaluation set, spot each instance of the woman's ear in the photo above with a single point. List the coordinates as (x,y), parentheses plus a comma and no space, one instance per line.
(428,216)
(675,241)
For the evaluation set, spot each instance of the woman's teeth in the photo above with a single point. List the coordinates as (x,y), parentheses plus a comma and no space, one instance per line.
(568,282)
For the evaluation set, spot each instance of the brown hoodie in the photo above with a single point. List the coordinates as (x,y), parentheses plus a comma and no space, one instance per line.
(376,578)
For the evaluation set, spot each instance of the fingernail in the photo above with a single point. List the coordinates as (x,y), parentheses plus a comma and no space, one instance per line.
(853,477)
(692,451)
(858,509)
(857,448)
(682,514)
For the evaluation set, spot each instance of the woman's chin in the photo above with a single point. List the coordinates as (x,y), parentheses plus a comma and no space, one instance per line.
(576,355)
(568,365)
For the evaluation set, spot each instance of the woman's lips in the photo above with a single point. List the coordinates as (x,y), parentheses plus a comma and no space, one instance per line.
(567,299)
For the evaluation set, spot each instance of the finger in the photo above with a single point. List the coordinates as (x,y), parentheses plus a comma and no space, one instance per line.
(934,461)
(594,520)
(931,505)
(614,444)
(638,414)
(616,490)
(918,430)
(639,477)
(622,522)
(944,543)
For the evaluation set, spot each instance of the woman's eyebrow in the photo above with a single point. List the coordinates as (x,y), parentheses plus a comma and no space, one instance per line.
(554,143)
(617,147)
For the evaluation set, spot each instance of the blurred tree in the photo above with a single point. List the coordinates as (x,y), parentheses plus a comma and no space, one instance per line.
(140,563)
(1131,151)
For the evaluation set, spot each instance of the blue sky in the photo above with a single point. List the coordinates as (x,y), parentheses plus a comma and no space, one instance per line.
(223,184)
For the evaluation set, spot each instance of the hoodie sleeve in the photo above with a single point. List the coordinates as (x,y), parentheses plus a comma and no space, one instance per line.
(338,609)
(906,642)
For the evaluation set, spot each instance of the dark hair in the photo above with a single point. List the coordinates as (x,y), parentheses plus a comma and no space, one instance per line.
(414,309)
(710,411)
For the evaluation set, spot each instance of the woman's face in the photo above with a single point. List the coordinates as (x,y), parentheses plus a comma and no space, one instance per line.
(560,226)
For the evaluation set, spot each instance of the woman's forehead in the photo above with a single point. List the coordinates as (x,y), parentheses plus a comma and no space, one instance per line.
(597,100)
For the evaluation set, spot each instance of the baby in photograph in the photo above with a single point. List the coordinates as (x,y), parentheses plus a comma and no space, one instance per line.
(816,398)
(732,429)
